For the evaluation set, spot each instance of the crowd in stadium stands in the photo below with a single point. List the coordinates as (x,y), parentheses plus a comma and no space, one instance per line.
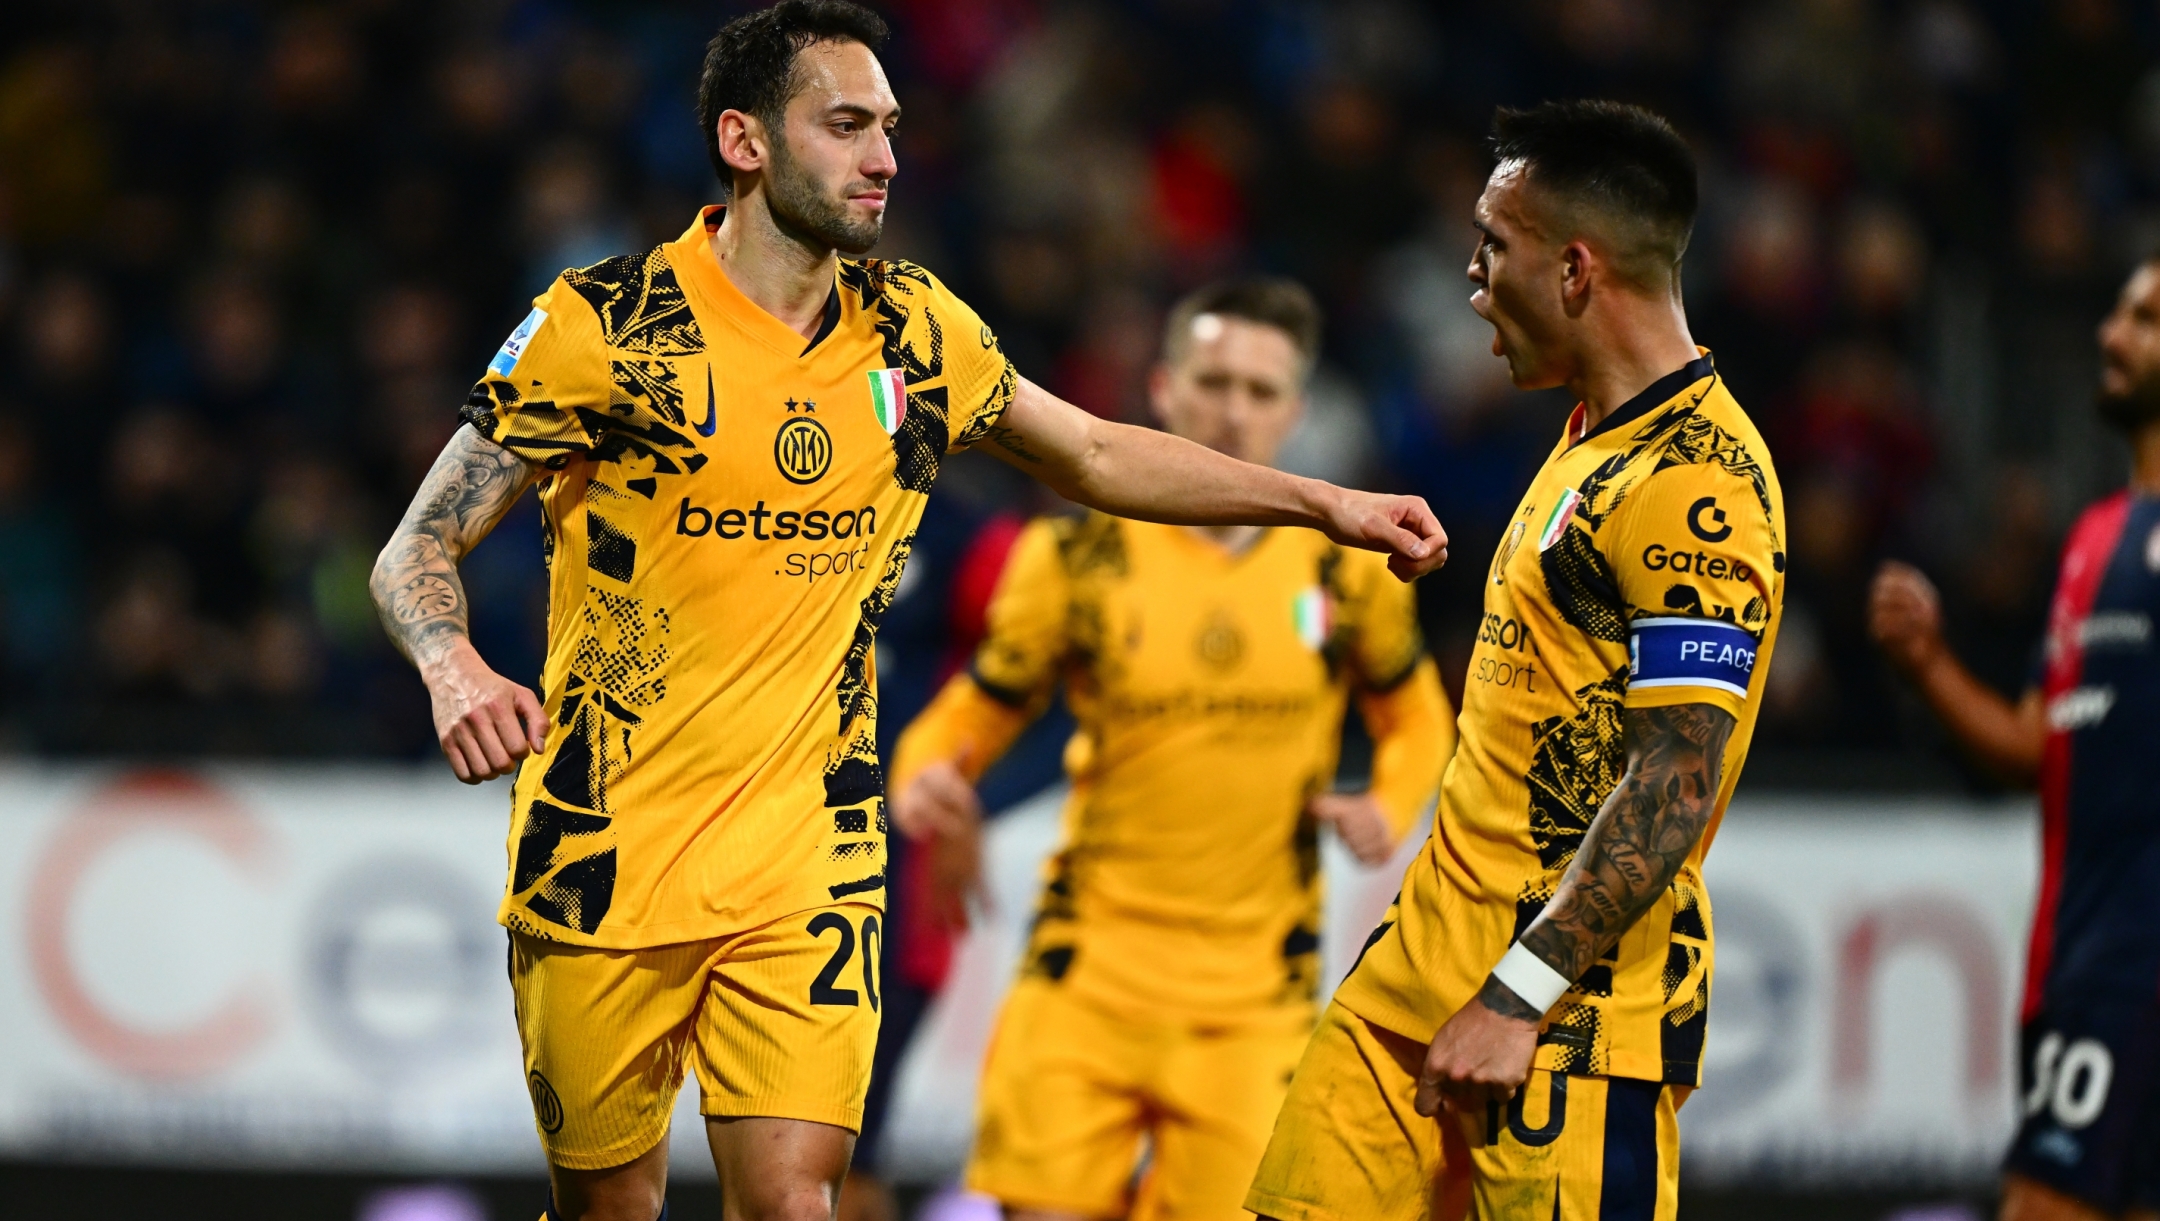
(252,254)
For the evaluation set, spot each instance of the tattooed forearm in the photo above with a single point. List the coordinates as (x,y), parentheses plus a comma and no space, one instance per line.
(415,583)
(1009,440)
(1502,1000)
(1641,837)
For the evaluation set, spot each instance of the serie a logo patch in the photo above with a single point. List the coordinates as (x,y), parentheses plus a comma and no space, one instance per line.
(513,348)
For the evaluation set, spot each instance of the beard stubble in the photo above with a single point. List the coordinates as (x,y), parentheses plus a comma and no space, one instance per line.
(805,213)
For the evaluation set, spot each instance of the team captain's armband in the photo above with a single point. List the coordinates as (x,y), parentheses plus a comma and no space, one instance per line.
(1672,652)
(1695,552)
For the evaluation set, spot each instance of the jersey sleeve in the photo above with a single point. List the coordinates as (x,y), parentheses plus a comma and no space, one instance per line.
(549,385)
(964,725)
(1379,615)
(1024,632)
(979,380)
(1695,554)
(1413,730)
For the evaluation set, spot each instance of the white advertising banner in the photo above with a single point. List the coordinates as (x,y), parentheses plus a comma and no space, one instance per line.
(301,968)
(259,967)
(1870,956)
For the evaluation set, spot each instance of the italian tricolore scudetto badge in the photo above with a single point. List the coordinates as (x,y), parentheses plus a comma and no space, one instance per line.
(888,398)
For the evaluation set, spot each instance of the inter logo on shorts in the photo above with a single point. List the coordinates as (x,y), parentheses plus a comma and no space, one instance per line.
(888,398)
(547,1108)
(803,450)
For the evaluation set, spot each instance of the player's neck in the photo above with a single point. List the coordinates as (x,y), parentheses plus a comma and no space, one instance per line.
(2145,460)
(1637,343)
(780,275)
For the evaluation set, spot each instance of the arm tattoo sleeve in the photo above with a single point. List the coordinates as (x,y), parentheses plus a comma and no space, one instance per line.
(1638,841)
(1009,440)
(415,583)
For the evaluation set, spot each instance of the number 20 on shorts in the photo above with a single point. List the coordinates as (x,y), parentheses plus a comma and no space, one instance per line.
(826,989)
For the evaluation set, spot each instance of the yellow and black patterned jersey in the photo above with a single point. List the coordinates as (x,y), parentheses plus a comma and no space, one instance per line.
(1209,688)
(728,511)
(1644,569)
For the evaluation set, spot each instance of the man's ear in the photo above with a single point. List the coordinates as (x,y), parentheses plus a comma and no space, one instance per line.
(1578,267)
(743,143)
(1158,393)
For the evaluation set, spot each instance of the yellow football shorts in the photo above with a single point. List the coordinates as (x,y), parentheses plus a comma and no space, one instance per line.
(780,1021)
(1350,1146)
(1070,1089)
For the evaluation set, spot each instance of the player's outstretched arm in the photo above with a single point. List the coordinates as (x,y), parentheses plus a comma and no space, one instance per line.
(1153,476)
(1905,618)
(485,722)
(1629,855)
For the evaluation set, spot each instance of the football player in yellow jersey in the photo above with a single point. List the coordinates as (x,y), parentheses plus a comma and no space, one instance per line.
(732,435)
(1168,985)
(1541,986)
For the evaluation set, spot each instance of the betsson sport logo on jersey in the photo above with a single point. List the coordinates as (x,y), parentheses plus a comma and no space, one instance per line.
(853,530)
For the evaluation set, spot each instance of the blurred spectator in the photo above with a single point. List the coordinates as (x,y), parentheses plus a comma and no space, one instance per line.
(39,568)
(251,258)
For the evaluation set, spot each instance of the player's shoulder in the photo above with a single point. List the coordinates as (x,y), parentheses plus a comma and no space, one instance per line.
(635,300)
(2098,528)
(1701,443)
(898,281)
(1089,543)
(1347,569)
(2102,511)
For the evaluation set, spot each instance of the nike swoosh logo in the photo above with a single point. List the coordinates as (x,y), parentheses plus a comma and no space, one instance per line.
(712,418)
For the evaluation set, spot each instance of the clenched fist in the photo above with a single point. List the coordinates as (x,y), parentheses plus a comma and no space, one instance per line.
(1905,617)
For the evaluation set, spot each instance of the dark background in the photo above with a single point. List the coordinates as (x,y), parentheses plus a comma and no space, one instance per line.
(251,255)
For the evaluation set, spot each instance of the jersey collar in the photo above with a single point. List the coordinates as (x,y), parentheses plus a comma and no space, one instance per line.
(1660,392)
(698,266)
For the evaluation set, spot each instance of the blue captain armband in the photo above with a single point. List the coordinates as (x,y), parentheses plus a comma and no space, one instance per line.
(1682,652)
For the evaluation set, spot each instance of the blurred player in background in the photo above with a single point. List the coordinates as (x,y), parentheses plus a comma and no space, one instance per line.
(1545,974)
(2087,733)
(1168,985)
(734,434)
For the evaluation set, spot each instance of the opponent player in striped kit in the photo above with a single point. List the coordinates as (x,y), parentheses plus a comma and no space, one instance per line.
(2085,733)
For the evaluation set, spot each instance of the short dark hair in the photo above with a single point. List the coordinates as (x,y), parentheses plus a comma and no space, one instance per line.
(1268,300)
(750,63)
(1622,163)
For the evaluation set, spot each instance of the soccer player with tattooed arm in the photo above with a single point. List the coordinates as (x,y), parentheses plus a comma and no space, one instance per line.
(732,436)
(1525,1022)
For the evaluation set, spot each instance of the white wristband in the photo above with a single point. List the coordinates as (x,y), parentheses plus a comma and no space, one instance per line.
(1530,978)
